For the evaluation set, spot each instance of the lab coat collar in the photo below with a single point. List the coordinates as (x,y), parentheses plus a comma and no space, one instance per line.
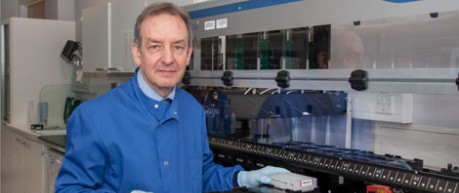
(172,112)
(147,90)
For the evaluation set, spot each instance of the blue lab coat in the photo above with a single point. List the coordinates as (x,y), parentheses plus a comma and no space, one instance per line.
(120,142)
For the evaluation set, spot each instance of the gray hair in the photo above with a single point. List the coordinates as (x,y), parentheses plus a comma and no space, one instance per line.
(159,8)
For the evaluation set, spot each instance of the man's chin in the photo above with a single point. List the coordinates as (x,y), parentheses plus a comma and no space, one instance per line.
(167,86)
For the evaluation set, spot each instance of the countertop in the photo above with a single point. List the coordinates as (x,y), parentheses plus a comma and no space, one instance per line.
(54,139)
(25,129)
(56,142)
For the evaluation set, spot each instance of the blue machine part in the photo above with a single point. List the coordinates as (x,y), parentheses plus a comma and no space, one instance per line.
(218,113)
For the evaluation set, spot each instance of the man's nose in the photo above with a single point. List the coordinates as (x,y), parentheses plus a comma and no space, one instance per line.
(167,55)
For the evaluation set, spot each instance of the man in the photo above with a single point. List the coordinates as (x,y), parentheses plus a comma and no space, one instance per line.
(148,134)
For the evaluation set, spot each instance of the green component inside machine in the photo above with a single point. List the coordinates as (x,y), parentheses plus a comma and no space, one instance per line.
(240,53)
(264,47)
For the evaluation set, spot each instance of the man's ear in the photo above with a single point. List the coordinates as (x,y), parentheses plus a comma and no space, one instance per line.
(136,54)
(190,51)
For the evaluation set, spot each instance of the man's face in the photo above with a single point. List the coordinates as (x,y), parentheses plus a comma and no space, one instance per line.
(164,53)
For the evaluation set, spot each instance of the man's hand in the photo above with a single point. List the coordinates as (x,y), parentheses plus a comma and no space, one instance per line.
(256,177)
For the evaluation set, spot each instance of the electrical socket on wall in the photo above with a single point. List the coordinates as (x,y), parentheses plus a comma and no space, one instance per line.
(384,104)
(388,107)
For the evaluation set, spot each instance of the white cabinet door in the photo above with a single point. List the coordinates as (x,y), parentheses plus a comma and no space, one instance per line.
(33,166)
(108,31)
(124,15)
(17,164)
(96,38)
(53,163)
(6,161)
(22,169)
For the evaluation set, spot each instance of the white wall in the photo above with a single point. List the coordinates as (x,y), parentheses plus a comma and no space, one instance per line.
(60,10)
(51,11)
(54,9)
(10,8)
(66,10)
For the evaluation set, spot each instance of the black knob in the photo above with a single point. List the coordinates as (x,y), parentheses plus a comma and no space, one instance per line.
(283,79)
(227,78)
(359,80)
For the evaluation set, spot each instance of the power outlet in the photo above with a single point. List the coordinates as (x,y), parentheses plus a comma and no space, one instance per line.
(388,107)
(384,104)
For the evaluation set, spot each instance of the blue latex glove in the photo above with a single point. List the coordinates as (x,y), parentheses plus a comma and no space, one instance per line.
(256,177)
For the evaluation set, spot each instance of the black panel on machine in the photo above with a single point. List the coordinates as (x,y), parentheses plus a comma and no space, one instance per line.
(361,165)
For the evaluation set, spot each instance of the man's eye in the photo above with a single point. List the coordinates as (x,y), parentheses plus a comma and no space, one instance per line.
(155,47)
(179,48)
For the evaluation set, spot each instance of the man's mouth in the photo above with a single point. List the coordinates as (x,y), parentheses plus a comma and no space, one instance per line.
(166,72)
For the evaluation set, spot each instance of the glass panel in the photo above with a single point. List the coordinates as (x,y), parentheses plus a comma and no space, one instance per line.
(319,47)
(207,59)
(319,121)
(211,53)
(272,49)
(251,49)
(234,52)
(296,48)
(59,98)
(409,131)
(274,117)
(411,42)
(268,50)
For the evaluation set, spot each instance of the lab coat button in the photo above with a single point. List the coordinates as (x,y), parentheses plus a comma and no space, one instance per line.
(156,106)
(166,163)
(175,112)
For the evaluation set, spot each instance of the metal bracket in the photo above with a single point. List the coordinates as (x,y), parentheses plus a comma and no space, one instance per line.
(359,80)
(227,78)
(283,79)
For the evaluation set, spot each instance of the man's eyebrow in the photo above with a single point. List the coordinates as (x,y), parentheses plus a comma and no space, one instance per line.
(151,40)
(179,41)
